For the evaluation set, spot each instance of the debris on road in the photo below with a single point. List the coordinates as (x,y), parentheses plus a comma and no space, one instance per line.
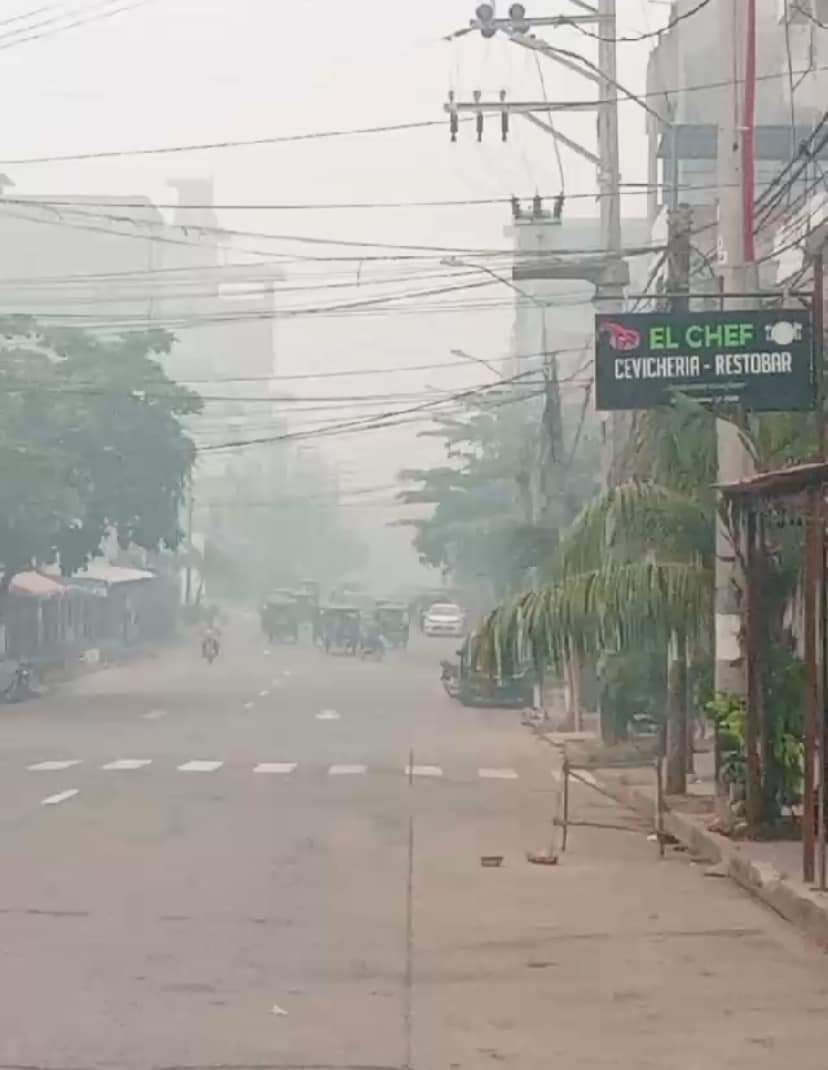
(491,861)
(542,859)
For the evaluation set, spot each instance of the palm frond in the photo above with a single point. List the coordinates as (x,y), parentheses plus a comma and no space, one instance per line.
(631,518)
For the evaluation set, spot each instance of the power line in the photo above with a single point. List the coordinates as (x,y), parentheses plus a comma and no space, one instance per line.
(638,98)
(630,188)
(795,6)
(106,12)
(551,123)
(205,146)
(480,253)
(632,39)
(28,14)
(380,419)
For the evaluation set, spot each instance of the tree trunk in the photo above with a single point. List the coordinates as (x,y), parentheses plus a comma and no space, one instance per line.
(607,718)
(676,781)
(575,713)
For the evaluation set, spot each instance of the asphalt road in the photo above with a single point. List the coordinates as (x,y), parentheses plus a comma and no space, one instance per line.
(275,862)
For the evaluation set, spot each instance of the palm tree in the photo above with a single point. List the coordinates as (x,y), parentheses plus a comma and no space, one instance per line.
(635,569)
(637,566)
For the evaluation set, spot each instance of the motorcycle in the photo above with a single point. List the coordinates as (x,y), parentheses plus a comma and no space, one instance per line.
(450,677)
(19,685)
(210,648)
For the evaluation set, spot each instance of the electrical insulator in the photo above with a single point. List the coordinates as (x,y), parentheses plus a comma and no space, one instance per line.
(479,117)
(454,123)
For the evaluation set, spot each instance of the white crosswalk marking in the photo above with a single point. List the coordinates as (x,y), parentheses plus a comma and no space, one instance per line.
(497,774)
(423,770)
(347,770)
(53,800)
(123,764)
(275,767)
(52,767)
(199,766)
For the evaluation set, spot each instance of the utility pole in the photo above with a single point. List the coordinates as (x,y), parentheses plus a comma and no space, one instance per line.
(733,460)
(609,294)
(738,274)
(680,223)
(607,270)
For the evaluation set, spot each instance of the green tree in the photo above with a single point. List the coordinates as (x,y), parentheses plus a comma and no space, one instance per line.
(91,442)
(486,524)
(635,571)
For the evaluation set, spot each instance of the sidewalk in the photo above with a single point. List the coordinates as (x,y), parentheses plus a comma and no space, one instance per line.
(769,870)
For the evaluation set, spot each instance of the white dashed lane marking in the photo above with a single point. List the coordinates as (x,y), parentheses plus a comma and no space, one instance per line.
(285,768)
(423,770)
(249,705)
(52,767)
(200,766)
(53,800)
(263,694)
(327,715)
(154,715)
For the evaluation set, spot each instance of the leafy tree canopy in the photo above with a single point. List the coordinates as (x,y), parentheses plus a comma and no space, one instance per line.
(91,442)
(486,523)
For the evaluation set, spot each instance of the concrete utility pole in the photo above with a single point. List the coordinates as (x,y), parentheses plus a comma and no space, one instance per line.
(609,294)
(608,271)
(678,746)
(738,276)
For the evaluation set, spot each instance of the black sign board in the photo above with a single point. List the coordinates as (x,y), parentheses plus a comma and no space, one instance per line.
(759,359)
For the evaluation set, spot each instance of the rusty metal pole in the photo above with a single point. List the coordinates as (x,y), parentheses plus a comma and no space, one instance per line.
(753,778)
(818,327)
(659,822)
(812,551)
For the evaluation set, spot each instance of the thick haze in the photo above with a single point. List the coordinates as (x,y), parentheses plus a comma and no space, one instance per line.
(257,68)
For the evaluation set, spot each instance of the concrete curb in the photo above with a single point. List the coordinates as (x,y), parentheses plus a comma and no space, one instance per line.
(795,902)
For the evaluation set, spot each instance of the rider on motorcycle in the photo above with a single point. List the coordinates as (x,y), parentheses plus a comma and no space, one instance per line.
(211,640)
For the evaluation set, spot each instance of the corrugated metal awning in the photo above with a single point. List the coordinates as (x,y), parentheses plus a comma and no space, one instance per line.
(35,585)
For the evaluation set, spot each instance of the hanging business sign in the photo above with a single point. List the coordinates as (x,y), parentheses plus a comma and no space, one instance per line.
(761,360)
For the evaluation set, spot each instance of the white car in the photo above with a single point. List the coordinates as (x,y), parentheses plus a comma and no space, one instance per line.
(444,618)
